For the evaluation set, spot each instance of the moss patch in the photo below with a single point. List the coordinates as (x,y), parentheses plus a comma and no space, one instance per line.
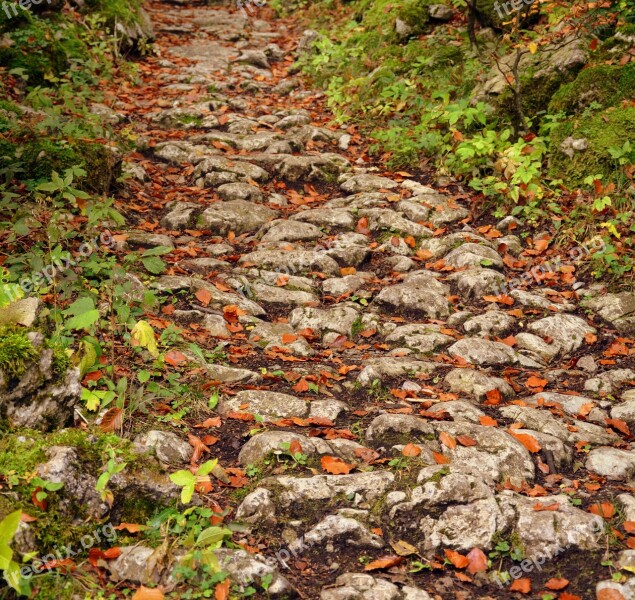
(604,130)
(604,85)
(16,352)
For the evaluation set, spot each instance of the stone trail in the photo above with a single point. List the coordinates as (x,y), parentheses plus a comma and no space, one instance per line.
(333,262)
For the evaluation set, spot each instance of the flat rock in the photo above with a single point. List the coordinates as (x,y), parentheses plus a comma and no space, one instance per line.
(483,352)
(612,463)
(475,383)
(238,216)
(269,405)
(618,310)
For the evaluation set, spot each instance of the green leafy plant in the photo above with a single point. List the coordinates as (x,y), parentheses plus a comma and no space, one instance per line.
(188,480)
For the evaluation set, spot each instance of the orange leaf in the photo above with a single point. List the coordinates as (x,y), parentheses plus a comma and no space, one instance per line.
(347,271)
(493,397)
(301,386)
(630,542)
(383,563)
(144,593)
(336,466)
(447,440)
(130,527)
(458,560)
(466,440)
(222,590)
(590,338)
(207,423)
(540,507)
(440,459)
(620,425)
(605,594)
(487,421)
(535,383)
(287,338)
(603,509)
(521,585)
(478,561)
(629,526)
(411,450)
(203,296)
(175,358)
(557,584)
(529,441)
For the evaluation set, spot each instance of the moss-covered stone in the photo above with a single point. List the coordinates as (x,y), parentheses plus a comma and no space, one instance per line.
(605,85)
(604,130)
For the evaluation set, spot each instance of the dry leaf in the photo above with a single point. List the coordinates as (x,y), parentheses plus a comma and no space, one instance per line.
(144,593)
(521,585)
(411,450)
(458,560)
(336,466)
(478,561)
(383,563)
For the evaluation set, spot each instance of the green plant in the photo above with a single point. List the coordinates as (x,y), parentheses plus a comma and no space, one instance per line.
(8,528)
(188,480)
(112,468)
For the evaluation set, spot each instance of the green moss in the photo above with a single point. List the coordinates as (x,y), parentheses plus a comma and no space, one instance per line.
(604,130)
(16,352)
(605,85)
(115,10)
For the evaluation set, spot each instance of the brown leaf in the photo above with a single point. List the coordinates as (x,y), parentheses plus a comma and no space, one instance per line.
(403,548)
(222,590)
(493,397)
(620,425)
(336,466)
(606,594)
(440,459)
(539,506)
(112,420)
(207,423)
(629,526)
(487,421)
(295,447)
(203,296)
(466,440)
(383,563)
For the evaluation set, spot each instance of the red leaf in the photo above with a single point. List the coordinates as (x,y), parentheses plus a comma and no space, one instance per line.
(175,358)
(557,584)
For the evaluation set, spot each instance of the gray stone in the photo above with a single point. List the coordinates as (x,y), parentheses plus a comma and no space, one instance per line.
(385,429)
(339,319)
(389,367)
(491,323)
(258,507)
(567,331)
(238,216)
(473,284)
(239,191)
(618,310)
(167,446)
(338,528)
(415,298)
(423,338)
(367,183)
(291,261)
(612,463)
(475,383)
(473,255)
(290,231)
(607,382)
(483,352)
(361,586)
(269,405)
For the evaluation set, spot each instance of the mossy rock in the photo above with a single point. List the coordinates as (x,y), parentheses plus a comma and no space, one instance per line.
(43,49)
(488,15)
(41,157)
(604,130)
(606,85)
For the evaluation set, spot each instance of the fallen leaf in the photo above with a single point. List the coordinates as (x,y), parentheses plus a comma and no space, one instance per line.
(144,593)
(112,420)
(604,594)
(336,466)
(629,526)
(411,450)
(603,509)
(466,440)
(487,421)
(383,563)
(478,561)
(458,560)
(222,590)
(522,586)
(131,527)
(529,441)
(203,296)
(557,583)
(447,440)
(403,548)
(620,425)
(175,358)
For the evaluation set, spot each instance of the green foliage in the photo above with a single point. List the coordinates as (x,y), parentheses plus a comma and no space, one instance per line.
(188,480)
